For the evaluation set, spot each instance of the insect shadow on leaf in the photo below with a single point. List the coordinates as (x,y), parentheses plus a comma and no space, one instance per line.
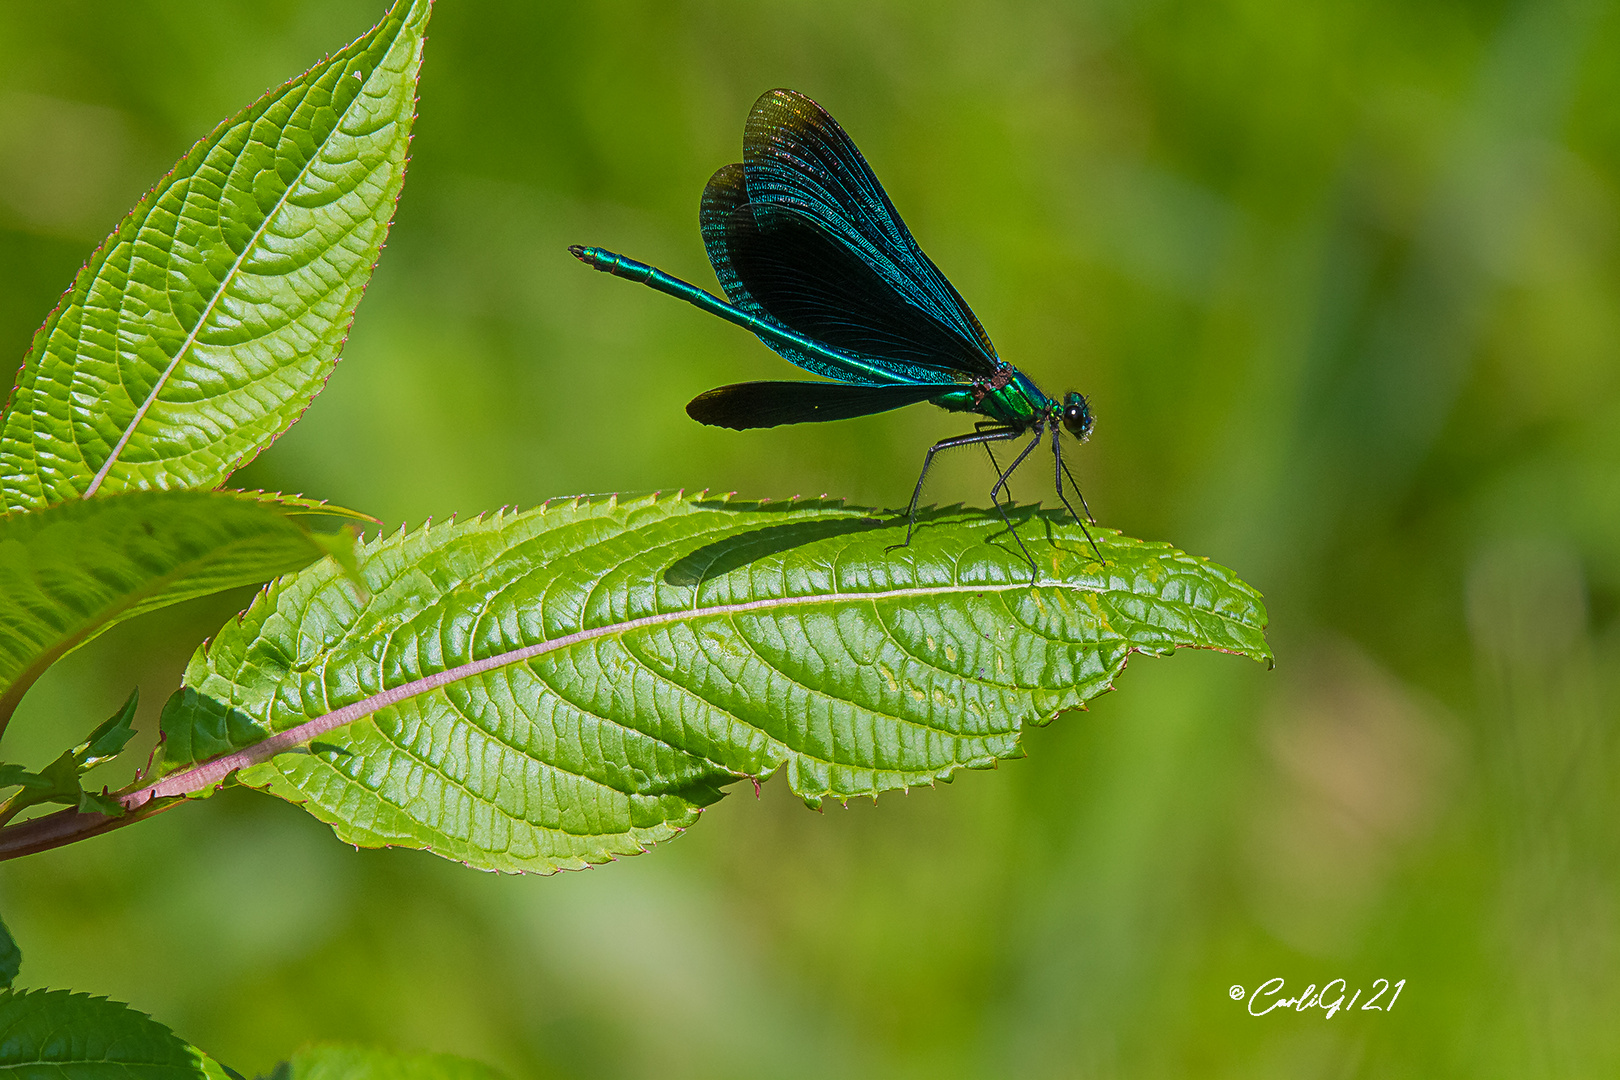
(723,556)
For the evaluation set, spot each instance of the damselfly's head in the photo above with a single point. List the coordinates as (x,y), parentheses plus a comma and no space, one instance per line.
(1077,415)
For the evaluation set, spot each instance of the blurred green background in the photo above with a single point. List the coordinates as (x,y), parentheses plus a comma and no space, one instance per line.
(1341,281)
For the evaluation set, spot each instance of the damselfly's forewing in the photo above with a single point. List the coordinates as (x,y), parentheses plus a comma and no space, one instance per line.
(803,234)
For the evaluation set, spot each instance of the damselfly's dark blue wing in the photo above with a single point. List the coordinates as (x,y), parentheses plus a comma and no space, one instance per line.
(800,276)
(767,404)
(798,163)
(728,227)
(803,234)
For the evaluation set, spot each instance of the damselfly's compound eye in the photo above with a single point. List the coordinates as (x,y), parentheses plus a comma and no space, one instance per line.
(1077,416)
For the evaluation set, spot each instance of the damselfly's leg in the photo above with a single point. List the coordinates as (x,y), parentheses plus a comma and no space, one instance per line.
(1059,469)
(1001,484)
(1076,484)
(989,453)
(999,434)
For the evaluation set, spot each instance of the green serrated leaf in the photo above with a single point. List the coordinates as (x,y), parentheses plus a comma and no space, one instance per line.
(342,547)
(303,504)
(69,572)
(553,688)
(62,776)
(109,740)
(205,324)
(10,957)
(365,1063)
(59,781)
(55,1033)
(100,802)
(52,784)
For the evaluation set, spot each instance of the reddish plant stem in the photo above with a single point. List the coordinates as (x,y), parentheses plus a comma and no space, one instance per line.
(68,826)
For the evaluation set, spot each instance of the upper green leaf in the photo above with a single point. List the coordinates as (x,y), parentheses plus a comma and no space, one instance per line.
(555,687)
(70,571)
(54,1033)
(203,326)
(363,1063)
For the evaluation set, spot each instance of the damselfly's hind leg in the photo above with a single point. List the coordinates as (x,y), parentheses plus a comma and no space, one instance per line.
(1001,485)
(995,466)
(984,437)
(1061,470)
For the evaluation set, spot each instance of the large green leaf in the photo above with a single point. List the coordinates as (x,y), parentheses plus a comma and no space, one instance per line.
(70,571)
(203,326)
(556,687)
(54,1033)
(363,1063)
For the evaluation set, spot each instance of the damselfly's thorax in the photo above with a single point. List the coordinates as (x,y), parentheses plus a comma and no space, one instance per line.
(983,388)
(1008,397)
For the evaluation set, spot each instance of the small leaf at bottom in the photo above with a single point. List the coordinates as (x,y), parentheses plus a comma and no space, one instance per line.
(54,1033)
